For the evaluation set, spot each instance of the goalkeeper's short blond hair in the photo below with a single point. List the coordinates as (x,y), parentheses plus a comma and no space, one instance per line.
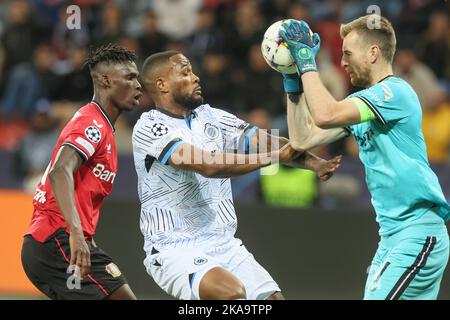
(374,29)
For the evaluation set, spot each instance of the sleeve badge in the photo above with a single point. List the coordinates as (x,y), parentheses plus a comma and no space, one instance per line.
(93,134)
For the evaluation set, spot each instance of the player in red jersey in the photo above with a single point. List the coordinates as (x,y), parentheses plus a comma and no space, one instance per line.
(80,175)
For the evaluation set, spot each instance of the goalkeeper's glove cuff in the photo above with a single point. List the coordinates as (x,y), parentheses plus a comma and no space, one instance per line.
(292,84)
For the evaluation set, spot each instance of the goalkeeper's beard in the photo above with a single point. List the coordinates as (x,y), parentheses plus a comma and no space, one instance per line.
(189,102)
(361,77)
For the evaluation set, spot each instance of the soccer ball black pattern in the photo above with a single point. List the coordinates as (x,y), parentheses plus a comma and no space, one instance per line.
(159,129)
(93,134)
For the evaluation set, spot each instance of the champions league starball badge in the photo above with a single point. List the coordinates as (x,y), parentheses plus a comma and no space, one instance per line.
(159,129)
(93,134)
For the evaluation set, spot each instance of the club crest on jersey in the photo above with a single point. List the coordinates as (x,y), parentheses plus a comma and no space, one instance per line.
(211,131)
(199,261)
(113,270)
(159,129)
(93,134)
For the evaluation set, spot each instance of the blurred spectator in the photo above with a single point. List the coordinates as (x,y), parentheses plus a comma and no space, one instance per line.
(132,44)
(111,25)
(151,40)
(206,35)
(260,118)
(12,132)
(413,18)
(21,34)
(177,45)
(436,127)
(329,31)
(300,11)
(64,111)
(177,18)
(214,78)
(260,86)
(133,14)
(122,136)
(275,10)
(434,48)
(417,74)
(76,84)
(34,153)
(4,5)
(30,82)
(248,28)
(48,12)
(64,38)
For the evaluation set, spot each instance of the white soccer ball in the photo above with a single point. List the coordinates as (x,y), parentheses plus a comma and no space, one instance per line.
(275,51)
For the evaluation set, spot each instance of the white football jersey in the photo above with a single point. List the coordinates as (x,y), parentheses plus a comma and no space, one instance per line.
(181,208)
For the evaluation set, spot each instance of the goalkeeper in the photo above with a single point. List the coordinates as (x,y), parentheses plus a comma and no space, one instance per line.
(385,119)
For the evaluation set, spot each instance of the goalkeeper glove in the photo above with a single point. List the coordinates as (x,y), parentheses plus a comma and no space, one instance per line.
(301,44)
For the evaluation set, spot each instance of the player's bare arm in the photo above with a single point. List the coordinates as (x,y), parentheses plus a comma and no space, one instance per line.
(323,168)
(325,110)
(61,178)
(219,165)
(304,134)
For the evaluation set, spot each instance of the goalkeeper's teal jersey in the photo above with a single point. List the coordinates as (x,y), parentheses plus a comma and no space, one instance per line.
(403,187)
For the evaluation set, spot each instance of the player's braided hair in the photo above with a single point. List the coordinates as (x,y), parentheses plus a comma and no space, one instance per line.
(109,53)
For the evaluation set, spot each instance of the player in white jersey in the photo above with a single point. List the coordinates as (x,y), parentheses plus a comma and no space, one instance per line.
(187,214)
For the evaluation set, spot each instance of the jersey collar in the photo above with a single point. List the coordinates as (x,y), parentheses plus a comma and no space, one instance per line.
(104,114)
(391,75)
(192,115)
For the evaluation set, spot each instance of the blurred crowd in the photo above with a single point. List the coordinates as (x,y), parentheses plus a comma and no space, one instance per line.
(43,80)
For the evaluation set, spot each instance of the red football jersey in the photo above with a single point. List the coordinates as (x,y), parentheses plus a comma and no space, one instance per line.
(91,133)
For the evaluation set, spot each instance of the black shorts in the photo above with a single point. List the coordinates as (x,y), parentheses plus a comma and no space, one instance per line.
(46,265)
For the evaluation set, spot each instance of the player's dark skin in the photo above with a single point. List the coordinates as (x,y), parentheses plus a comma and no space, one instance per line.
(177,90)
(116,89)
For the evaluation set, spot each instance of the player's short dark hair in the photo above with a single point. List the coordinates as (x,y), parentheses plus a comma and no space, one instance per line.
(109,53)
(157,59)
(152,65)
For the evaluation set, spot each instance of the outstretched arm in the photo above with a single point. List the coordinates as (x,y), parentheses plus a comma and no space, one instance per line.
(224,165)
(303,132)
(307,160)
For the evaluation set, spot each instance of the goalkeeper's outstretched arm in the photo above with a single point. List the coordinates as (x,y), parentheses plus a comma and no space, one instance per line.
(303,133)
(323,168)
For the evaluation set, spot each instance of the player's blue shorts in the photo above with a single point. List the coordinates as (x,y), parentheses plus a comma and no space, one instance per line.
(409,264)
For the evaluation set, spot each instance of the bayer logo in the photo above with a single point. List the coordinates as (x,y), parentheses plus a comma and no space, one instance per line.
(93,134)
(159,129)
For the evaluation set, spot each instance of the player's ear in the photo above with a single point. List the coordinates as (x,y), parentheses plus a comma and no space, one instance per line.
(374,53)
(105,81)
(161,85)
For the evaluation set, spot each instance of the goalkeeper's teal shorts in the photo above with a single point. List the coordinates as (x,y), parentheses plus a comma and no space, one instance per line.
(409,264)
